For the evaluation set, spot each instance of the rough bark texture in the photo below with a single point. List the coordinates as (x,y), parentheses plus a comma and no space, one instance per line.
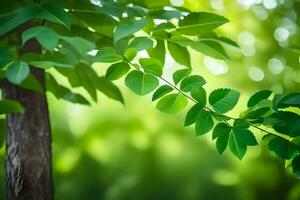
(28,140)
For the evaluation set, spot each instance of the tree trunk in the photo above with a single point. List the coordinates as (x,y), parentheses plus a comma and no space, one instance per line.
(28,140)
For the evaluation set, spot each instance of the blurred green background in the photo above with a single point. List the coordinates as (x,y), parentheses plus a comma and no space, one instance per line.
(113,152)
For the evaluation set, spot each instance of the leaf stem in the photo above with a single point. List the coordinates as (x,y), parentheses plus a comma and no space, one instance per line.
(224,117)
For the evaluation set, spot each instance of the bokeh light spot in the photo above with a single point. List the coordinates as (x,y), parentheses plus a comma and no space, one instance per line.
(215,66)
(270,4)
(177,2)
(256,74)
(281,34)
(275,66)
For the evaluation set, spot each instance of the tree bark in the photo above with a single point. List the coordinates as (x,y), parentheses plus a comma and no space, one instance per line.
(28,140)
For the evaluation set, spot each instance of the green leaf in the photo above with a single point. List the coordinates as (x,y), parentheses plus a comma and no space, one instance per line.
(180,54)
(180,40)
(199,94)
(221,132)
(180,74)
(81,45)
(141,43)
(241,123)
(5,57)
(101,23)
(50,12)
(192,114)
(276,99)
(117,70)
(236,147)
(17,72)
(151,66)
(158,52)
(245,136)
(2,131)
(165,14)
(161,91)
(204,122)
(61,92)
(191,82)
(257,113)
(46,36)
(87,79)
(141,83)
(222,40)
(130,54)
(100,83)
(172,103)
(258,97)
(164,26)
(32,83)
(285,122)
(223,100)
(296,166)
(239,139)
(210,48)
(10,106)
(55,13)
(199,23)
(222,143)
(45,64)
(109,89)
(283,148)
(125,29)
(289,100)
(107,55)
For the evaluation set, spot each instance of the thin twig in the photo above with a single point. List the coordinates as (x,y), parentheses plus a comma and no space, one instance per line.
(224,117)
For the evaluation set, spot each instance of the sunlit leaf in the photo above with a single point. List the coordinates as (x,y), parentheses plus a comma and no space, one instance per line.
(158,51)
(210,48)
(180,74)
(192,114)
(204,122)
(117,70)
(223,100)
(161,91)
(199,94)
(180,54)
(221,132)
(128,28)
(165,14)
(81,45)
(200,22)
(172,103)
(191,82)
(141,43)
(151,66)
(239,139)
(141,83)
(107,55)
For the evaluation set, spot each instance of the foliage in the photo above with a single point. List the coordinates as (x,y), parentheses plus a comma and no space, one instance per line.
(71,34)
